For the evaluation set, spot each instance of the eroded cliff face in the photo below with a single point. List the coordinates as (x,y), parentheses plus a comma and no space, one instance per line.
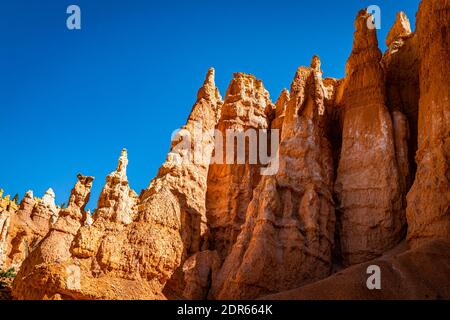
(428,209)
(230,184)
(23,226)
(349,152)
(368,183)
(289,223)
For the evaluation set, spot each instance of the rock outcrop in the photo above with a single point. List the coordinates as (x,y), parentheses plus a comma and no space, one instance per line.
(399,30)
(117,202)
(37,275)
(180,188)
(199,272)
(25,226)
(289,223)
(401,66)
(7,207)
(231,184)
(280,111)
(372,216)
(428,209)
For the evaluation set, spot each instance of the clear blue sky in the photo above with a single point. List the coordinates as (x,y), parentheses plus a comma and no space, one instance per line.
(70,100)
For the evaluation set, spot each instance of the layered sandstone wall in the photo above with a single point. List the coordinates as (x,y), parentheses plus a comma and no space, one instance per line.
(368,183)
(230,184)
(289,223)
(132,246)
(23,226)
(428,209)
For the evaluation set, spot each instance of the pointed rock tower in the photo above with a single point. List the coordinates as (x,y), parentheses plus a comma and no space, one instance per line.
(231,184)
(372,219)
(287,235)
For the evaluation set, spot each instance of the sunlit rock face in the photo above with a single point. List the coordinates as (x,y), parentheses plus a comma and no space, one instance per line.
(368,183)
(289,223)
(230,185)
(23,227)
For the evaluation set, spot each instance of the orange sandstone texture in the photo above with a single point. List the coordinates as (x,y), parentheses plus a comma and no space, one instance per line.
(401,63)
(287,236)
(428,209)
(368,183)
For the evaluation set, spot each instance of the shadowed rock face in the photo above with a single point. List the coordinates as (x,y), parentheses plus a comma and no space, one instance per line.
(349,152)
(117,201)
(401,65)
(134,245)
(22,227)
(428,209)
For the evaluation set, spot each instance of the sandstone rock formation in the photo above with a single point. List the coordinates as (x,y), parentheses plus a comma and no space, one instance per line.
(7,207)
(368,186)
(117,201)
(280,111)
(428,209)
(401,62)
(231,184)
(25,226)
(215,225)
(35,277)
(181,187)
(400,29)
(289,224)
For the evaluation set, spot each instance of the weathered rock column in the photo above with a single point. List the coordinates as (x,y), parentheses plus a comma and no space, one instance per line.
(428,208)
(287,236)
(368,182)
(230,185)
